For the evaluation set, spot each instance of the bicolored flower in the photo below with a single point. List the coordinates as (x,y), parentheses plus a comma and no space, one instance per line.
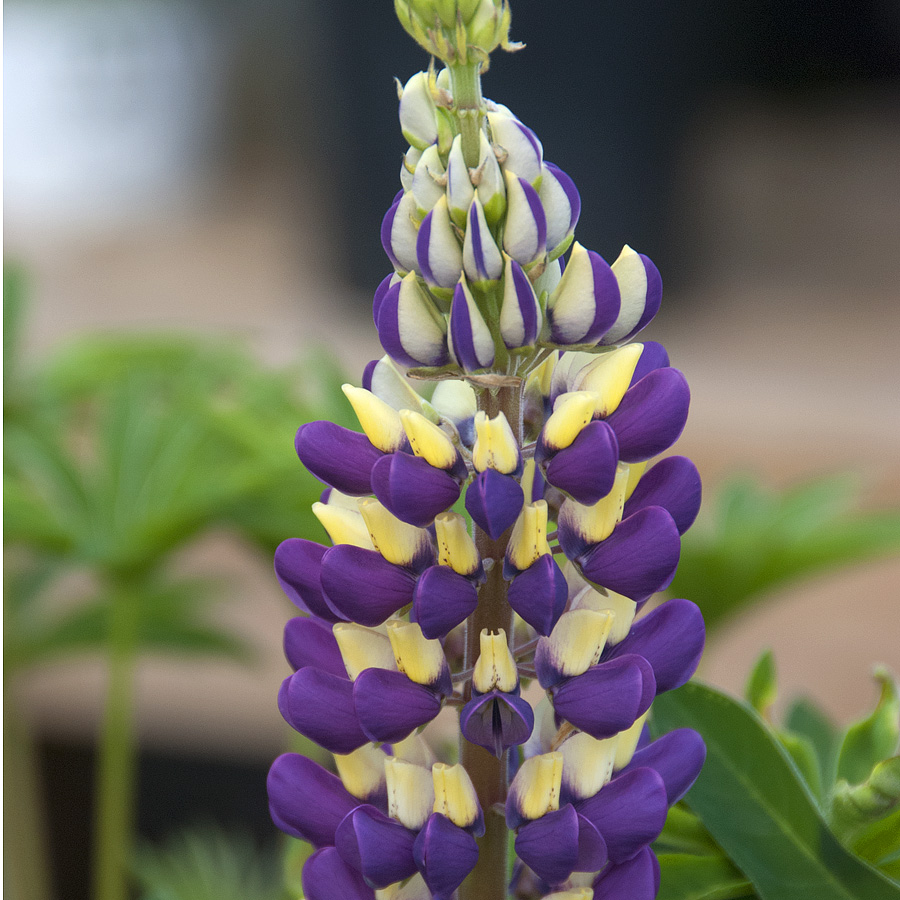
(496,717)
(547,426)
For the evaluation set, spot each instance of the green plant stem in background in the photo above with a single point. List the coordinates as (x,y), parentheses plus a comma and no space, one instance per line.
(117,751)
(489,774)
(26,875)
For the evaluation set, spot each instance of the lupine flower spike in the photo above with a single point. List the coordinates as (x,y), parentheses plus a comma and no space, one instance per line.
(496,527)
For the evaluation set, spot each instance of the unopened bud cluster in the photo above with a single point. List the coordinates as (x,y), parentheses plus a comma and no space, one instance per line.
(526,477)
(455,30)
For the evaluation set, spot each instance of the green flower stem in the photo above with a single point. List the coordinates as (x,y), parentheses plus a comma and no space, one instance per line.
(117,752)
(489,775)
(468,107)
(27,872)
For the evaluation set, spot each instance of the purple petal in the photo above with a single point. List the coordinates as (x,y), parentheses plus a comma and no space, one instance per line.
(320,706)
(472,351)
(377,300)
(497,721)
(671,639)
(381,848)
(604,300)
(422,246)
(363,585)
(528,311)
(494,502)
(310,642)
(638,558)
(369,370)
(608,698)
(652,301)
(337,456)
(305,800)
(549,845)
(539,594)
(445,854)
(327,877)
(592,852)
(414,491)
(677,757)
(629,812)
(653,356)
(443,600)
(430,348)
(674,484)
(572,195)
(636,879)
(298,568)
(519,241)
(390,706)
(652,415)
(586,469)
(387,227)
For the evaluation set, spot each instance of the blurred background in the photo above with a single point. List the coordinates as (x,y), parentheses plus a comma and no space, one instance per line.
(192,193)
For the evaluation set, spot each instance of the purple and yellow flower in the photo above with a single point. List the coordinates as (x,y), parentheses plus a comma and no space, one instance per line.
(496,527)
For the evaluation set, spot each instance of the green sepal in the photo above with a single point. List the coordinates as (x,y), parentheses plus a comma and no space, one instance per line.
(446,127)
(874,738)
(495,208)
(561,248)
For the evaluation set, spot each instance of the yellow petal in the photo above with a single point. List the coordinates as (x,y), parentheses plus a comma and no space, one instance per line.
(420,659)
(496,667)
(380,422)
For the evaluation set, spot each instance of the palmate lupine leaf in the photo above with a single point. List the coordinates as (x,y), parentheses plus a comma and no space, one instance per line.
(751,798)
(751,541)
(249,412)
(173,619)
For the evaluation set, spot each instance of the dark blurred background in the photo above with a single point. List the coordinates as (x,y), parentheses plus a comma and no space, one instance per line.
(222,168)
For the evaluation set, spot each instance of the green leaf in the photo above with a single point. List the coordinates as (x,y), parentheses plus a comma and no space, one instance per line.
(856,806)
(804,758)
(761,690)
(686,877)
(684,832)
(806,719)
(879,842)
(752,541)
(874,738)
(753,802)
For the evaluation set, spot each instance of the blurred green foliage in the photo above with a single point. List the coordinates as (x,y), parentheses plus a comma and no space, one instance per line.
(749,541)
(120,453)
(208,864)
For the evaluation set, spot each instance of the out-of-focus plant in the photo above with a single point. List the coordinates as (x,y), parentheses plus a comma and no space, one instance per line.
(783,811)
(752,540)
(208,864)
(119,453)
